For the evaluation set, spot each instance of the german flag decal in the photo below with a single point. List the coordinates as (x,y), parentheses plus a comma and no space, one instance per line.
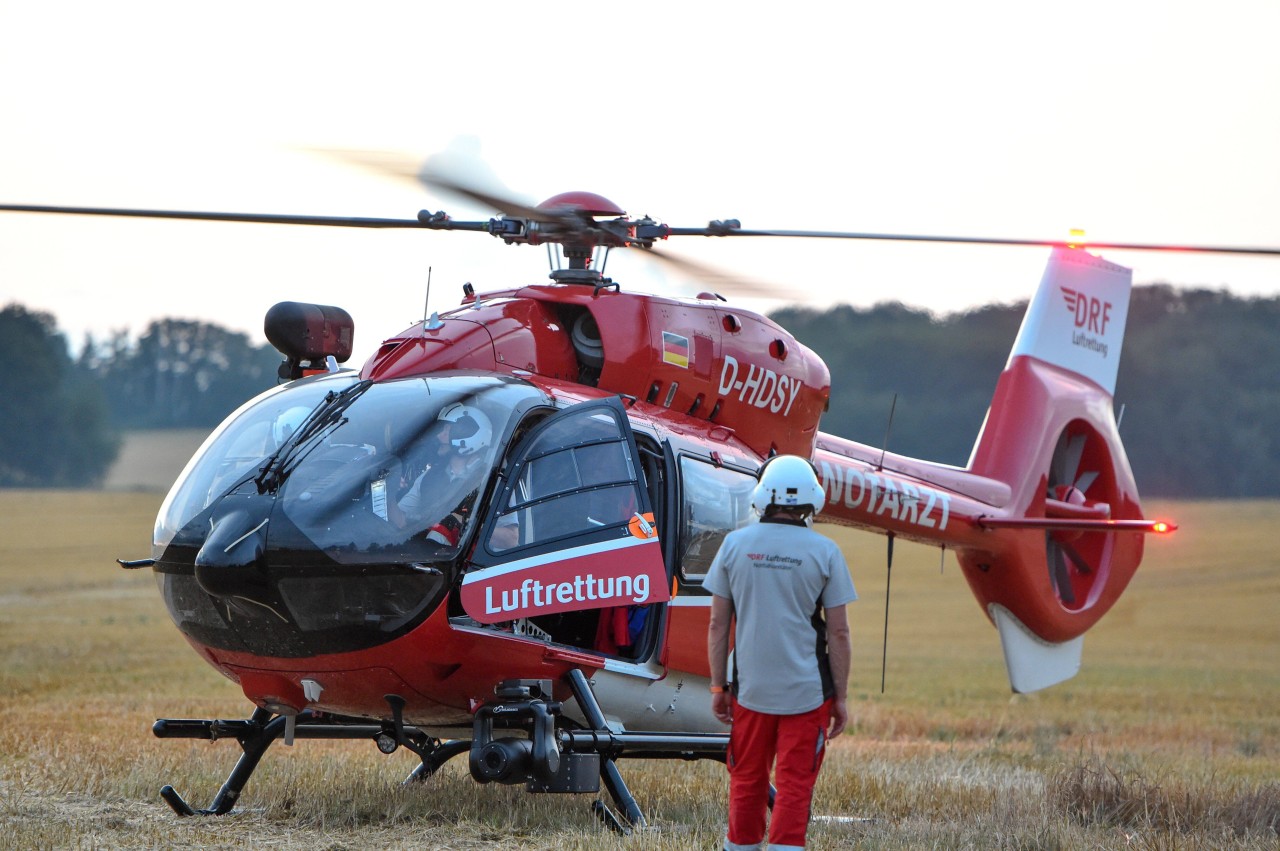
(675,349)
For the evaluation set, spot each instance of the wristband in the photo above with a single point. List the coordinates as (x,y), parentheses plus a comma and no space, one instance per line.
(717,689)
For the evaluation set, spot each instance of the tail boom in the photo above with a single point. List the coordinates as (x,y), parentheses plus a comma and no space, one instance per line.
(1045,520)
(915,500)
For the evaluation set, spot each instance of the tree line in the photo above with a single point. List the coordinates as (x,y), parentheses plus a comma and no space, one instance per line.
(61,416)
(1199,383)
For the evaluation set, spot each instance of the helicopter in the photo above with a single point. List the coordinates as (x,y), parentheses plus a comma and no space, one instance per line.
(490,539)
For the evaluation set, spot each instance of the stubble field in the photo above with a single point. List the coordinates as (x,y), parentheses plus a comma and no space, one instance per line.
(1169,737)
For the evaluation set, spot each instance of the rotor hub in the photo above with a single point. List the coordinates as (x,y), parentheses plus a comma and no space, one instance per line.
(586,203)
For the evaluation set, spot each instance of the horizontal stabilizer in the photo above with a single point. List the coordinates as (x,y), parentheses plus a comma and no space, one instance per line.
(1152,527)
(1032,662)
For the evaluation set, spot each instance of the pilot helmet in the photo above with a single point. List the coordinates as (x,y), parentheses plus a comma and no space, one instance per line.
(286,423)
(470,429)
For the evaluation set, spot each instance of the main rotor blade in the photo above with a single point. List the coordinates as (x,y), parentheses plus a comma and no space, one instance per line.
(251,218)
(713,277)
(516,209)
(976,240)
(505,205)
(431,173)
(404,168)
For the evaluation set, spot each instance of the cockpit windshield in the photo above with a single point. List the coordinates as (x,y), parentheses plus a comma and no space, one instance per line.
(366,473)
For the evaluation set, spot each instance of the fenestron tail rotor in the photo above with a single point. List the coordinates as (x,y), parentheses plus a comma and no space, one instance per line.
(1075,558)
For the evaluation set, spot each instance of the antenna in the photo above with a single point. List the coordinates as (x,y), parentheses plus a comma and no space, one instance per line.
(888,428)
(888,580)
(1120,416)
(427,301)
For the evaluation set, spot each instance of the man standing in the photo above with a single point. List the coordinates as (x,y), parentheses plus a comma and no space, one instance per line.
(786,587)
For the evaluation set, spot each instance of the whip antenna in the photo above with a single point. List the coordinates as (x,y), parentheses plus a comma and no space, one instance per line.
(427,301)
(885,448)
(888,580)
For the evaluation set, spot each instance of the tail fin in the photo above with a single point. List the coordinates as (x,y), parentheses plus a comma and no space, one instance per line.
(1061,560)
(1076,321)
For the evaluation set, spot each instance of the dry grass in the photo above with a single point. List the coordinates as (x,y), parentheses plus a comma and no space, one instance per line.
(1094,793)
(1168,738)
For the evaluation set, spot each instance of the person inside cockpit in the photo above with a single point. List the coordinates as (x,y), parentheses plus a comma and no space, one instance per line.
(443,495)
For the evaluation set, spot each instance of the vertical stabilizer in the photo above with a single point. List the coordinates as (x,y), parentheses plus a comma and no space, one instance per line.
(1076,320)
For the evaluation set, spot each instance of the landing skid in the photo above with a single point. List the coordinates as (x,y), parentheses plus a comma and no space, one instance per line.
(257,733)
(550,757)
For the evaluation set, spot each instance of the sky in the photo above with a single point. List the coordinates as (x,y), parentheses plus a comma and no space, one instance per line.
(1134,121)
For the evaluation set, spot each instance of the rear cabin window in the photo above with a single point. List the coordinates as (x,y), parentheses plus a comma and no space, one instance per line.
(715,501)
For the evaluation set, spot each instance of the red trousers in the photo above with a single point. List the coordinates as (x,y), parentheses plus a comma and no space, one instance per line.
(798,742)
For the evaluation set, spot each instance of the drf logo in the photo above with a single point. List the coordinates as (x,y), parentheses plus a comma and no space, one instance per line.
(1091,313)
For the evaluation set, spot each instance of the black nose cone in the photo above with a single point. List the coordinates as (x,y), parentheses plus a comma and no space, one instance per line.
(231,565)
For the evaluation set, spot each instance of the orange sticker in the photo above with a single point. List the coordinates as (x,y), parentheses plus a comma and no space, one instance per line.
(642,526)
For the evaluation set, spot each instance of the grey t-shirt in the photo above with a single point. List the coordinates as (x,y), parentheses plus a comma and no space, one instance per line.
(779,576)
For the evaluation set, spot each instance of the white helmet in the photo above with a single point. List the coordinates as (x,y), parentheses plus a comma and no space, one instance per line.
(788,481)
(471,430)
(284,425)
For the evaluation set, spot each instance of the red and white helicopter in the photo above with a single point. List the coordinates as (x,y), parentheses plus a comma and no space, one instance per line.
(491,538)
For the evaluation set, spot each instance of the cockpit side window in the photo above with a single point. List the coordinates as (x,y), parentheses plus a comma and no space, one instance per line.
(714,502)
(574,513)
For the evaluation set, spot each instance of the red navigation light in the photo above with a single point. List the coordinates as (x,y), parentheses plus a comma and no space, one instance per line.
(1160,527)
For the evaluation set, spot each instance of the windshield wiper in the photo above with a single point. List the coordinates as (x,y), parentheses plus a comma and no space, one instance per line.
(326,416)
